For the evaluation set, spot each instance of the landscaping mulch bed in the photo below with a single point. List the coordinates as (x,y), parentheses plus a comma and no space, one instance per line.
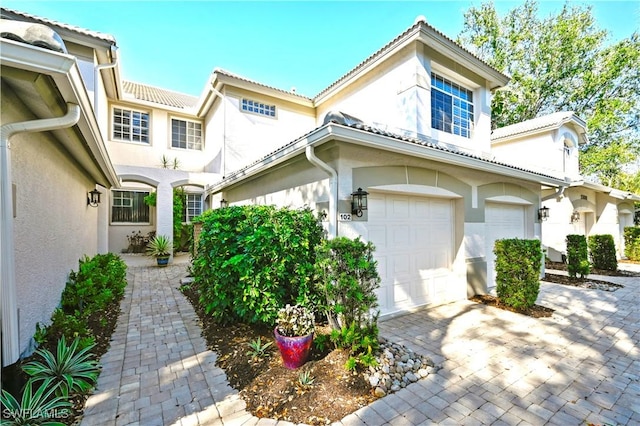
(272,391)
(535,311)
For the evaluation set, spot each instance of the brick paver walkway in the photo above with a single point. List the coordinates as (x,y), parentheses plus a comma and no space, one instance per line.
(500,368)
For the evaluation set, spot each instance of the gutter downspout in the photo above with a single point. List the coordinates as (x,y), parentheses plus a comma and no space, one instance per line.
(223,97)
(9,316)
(558,194)
(96,77)
(333,188)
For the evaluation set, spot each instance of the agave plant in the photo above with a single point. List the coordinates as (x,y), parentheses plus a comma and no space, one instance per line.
(160,245)
(40,408)
(75,371)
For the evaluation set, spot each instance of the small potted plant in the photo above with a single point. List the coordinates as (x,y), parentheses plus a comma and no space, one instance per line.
(294,330)
(160,247)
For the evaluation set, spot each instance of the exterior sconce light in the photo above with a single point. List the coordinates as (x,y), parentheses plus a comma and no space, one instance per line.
(93,198)
(575,216)
(543,213)
(224,203)
(359,202)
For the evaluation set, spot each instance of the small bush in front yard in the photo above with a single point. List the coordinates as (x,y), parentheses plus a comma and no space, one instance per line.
(348,279)
(577,256)
(518,264)
(252,260)
(602,251)
(632,242)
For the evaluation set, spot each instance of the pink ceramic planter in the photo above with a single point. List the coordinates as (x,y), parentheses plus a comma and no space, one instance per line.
(294,350)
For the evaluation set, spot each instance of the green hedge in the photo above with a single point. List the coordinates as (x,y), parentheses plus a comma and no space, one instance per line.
(518,265)
(253,260)
(632,242)
(602,252)
(99,282)
(577,256)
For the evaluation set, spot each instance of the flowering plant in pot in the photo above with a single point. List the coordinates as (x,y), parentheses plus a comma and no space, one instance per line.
(294,330)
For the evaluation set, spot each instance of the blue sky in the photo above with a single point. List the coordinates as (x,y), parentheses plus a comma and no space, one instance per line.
(302,44)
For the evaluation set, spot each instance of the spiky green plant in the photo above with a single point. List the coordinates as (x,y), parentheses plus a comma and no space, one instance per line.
(40,408)
(75,370)
(258,349)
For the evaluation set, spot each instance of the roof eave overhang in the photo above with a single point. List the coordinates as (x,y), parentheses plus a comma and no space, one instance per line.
(579,123)
(219,80)
(334,132)
(613,192)
(441,44)
(65,73)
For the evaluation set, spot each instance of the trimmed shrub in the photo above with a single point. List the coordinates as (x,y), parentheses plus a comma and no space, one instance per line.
(518,264)
(348,279)
(253,260)
(602,252)
(577,256)
(632,242)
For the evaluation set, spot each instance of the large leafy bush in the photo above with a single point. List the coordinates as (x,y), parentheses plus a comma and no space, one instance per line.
(518,264)
(577,256)
(632,242)
(253,260)
(602,252)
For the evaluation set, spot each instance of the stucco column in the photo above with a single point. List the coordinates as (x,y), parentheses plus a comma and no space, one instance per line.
(164,210)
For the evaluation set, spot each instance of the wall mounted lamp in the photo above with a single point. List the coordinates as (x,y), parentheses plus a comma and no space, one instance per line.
(93,198)
(575,216)
(358,202)
(224,203)
(543,213)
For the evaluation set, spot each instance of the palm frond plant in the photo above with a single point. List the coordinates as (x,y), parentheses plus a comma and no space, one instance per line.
(74,370)
(160,245)
(42,407)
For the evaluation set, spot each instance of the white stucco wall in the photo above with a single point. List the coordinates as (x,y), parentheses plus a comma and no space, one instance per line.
(543,152)
(53,226)
(397,95)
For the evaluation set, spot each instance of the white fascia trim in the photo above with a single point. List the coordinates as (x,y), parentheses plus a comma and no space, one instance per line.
(431,38)
(370,140)
(386,143)
(319,137)
(64,70)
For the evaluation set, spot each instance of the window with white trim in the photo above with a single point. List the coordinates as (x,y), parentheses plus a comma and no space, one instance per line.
(129,207)
(192,207)
(130,125)
(451,107)
(186,134)
(256,107)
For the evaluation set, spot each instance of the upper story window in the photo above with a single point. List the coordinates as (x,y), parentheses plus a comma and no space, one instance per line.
(192,207)
(258,107)
(186,134)
(129,207)
(451,107)
(130,125)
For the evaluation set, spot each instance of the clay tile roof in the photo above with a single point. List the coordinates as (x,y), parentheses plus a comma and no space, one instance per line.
(49,22)
(546,121)
(221,71)
(160,96)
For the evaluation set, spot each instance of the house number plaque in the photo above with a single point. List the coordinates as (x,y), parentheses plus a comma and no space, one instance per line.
(344,217)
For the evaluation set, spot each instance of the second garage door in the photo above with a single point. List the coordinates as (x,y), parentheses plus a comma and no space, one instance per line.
(503,221)
(414,249)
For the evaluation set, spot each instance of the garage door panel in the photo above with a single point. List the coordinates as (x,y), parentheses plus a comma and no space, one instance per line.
(377,207)
(416,248)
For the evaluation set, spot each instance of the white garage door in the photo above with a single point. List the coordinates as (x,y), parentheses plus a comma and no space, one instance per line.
(414,249)
(502,221)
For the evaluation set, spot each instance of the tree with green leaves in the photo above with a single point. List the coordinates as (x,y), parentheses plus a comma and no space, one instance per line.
(563,63)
